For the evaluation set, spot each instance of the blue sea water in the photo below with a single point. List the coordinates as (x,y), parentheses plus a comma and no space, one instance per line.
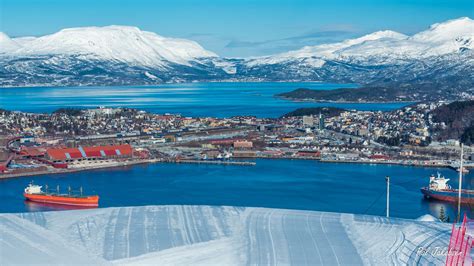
(192,99)
(292,184)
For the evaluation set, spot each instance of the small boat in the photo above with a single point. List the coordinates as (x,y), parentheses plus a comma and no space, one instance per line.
(36,194)
(464,170)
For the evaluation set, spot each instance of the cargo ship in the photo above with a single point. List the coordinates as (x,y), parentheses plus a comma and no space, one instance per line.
(36,194)
(440,190)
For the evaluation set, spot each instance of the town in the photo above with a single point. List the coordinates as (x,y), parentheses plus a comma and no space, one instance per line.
(80,139)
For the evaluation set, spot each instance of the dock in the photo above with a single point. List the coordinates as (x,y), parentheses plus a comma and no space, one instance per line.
(243,163)
(402,163)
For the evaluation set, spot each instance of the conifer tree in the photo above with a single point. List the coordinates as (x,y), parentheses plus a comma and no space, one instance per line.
(442,216)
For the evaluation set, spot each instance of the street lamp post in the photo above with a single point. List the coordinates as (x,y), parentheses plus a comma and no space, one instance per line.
(387,178)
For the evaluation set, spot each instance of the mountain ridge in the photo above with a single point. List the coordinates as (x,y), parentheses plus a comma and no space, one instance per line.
(430,42)
(441,56)
(119,43)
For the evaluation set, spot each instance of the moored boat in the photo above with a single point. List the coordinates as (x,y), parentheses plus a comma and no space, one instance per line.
(439,188)
(36,194)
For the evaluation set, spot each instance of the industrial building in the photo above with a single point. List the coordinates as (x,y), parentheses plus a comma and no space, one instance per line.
(89,153)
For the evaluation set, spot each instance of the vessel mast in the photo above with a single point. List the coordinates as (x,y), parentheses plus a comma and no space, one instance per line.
(460,183)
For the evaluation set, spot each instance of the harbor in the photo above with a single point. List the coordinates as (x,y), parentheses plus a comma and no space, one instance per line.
(329,159)
(310,184)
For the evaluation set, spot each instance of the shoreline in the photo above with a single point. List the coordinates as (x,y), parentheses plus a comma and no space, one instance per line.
(74,170)
(390,163)
(174,83)
(238,162)
(309,100)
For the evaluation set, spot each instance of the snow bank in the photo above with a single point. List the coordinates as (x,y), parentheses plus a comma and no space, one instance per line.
(205,235)
(427,218)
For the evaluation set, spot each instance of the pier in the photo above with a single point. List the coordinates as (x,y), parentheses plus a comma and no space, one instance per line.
(466,165)
(244,163)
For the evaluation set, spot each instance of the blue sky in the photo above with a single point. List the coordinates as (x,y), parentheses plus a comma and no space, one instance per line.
(235,28)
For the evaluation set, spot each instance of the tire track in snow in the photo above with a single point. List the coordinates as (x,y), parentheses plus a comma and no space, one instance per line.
(315,243)
(327,239)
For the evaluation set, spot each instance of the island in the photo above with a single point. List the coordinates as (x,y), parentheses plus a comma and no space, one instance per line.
(363,94)
(377,93)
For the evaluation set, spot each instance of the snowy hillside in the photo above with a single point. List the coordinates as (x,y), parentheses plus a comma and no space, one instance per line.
(204,235)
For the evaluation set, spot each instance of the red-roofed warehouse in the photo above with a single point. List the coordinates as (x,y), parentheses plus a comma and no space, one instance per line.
(69,154)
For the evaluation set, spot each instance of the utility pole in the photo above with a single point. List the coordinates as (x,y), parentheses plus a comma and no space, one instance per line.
(460,183)
(387,178)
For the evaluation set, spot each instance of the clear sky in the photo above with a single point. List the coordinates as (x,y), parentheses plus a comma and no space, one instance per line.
(235,28)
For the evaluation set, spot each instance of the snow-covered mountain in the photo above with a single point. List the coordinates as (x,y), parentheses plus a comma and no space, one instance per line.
(439,59)
(117,43)
(121,55)
(325,51)
(104,55)
(385,47)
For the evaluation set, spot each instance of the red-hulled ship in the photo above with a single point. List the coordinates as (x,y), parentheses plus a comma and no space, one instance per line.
(439,188)
(36,194)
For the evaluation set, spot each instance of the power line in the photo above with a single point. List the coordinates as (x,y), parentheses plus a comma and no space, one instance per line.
(375,201)
(406,182)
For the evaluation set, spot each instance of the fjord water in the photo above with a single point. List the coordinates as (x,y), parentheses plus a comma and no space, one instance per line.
(291,184)
(191,99)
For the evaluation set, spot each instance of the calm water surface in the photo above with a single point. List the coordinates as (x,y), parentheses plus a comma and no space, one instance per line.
(292,184)
(194,99)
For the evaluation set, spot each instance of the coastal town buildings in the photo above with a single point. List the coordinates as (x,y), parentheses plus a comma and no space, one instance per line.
(110,135)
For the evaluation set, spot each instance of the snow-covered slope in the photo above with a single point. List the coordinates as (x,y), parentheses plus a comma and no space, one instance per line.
(22,41)
(119,43)
(440,39)
(204,235)
(25,243)
(447,31)
(326,51)
(7,45)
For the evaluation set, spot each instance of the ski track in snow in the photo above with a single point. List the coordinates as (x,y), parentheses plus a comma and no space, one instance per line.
(211,235)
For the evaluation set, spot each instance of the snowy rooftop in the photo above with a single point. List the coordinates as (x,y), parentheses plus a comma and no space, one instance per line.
(215,235)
